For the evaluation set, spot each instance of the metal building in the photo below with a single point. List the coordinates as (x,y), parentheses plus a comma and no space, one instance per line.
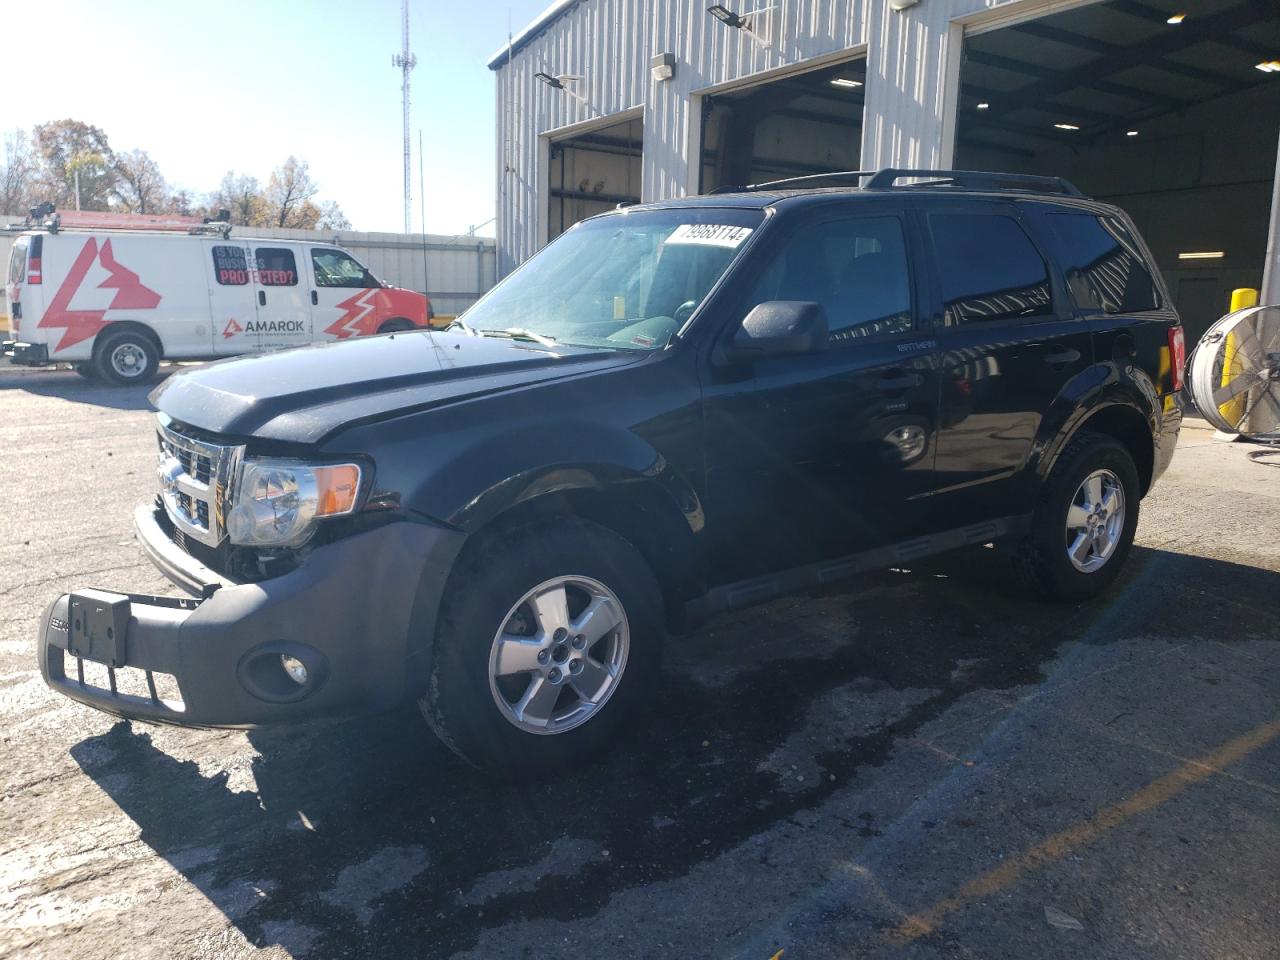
(1170,108)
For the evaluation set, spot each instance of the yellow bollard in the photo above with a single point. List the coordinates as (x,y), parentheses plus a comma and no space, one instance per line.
(1242,298)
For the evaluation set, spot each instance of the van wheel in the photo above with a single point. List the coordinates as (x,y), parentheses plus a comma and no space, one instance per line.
(126,357)
(395,325)
(1085,521)
(547,636)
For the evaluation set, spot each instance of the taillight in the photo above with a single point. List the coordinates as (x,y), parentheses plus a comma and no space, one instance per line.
(1177,355)
(34,273)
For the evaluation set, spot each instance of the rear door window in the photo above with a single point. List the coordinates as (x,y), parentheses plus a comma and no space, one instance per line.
(1103,267)
(988,268)
(276,267)
(230,266)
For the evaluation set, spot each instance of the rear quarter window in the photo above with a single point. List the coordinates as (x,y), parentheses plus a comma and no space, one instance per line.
(276,267)
(1102,264)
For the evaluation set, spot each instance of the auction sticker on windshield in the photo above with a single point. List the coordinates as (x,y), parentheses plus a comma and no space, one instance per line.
(711,234)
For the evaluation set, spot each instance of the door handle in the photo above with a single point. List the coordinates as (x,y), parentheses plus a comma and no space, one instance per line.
(315,299)
(902,381)
(1061,358)
(262,298)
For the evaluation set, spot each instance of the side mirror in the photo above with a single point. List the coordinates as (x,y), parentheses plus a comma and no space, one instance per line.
(780,328)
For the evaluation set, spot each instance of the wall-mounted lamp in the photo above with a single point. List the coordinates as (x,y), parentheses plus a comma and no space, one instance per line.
(562,81)
(727,16)
(901,5)
(754,23)
(663,66)
(549,80)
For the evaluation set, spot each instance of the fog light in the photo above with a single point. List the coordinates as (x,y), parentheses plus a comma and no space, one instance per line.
(295,668)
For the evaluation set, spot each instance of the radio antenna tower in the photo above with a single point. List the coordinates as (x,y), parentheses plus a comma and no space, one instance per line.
(405,61)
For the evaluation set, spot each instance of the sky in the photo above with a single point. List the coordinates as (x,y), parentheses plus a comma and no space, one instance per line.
(242,84)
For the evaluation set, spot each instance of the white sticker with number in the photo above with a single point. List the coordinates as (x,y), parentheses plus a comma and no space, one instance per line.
(710,234)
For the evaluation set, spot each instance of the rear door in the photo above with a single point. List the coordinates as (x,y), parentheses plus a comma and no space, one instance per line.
(1009,343)
(233,296)
(283,301)
(814,457)
(344,295)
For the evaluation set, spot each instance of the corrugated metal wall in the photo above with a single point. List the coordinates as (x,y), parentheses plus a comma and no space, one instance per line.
(610,43)
(913,61)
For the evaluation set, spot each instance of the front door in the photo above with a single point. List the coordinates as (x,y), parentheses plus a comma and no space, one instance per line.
(818,456)
(1008,348)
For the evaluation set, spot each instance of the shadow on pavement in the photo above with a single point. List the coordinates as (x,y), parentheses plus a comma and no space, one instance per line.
(372,818)
(69,385)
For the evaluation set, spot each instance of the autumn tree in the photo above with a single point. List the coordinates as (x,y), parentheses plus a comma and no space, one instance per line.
(73,152)
(17,174)
(289,193)
(139,186)
(185,203)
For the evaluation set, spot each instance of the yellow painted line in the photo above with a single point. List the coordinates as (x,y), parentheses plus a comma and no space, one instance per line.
(1060,844)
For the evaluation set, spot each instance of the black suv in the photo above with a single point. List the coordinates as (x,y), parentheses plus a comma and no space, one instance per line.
(674,409)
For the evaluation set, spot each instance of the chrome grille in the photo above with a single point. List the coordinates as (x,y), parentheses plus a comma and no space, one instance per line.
(195,481)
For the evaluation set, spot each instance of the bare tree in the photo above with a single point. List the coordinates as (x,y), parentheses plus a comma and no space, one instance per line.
(242,195)
(289,192)
(17,173)
(73,152)
(139,186)
(183,202)
(331,217)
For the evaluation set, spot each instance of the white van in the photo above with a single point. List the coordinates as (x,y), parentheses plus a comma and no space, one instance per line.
(115,302)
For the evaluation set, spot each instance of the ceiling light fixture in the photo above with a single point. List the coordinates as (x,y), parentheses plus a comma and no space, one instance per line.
(1177,18)
(1269,66)
(1131,133)
(1066,126)
(845,82)
(984,106)
(1202,255)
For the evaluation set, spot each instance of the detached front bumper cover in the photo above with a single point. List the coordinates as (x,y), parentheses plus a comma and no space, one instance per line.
(359,613)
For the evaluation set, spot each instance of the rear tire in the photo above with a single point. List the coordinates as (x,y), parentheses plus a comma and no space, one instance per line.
(126,358)
(1085,520)
(395,325)
(548,635)
(86,370)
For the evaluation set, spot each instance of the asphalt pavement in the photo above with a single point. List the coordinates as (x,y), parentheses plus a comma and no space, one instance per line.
(925,763)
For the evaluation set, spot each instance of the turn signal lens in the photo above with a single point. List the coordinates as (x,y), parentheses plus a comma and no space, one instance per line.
(336,488)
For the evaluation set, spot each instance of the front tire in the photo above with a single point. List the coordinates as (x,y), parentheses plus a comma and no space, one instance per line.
(548,635)
(126,358)
(1085,521)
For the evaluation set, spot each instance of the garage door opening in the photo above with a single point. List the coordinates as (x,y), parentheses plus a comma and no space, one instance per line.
(803,124)
(592,173)
(1155,106)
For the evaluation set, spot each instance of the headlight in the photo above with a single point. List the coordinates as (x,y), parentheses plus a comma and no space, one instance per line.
(278,501)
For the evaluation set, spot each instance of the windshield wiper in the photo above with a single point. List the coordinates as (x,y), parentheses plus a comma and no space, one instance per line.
(469,331)
(520,333)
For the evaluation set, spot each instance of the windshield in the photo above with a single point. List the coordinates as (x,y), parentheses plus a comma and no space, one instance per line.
(627,281)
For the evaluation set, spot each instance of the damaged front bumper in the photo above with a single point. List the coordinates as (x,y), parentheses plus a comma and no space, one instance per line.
(358,614)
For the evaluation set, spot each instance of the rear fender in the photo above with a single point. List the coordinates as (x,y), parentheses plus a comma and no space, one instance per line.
(1122,397)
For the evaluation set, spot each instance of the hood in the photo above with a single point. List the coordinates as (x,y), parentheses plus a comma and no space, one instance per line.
(304,395)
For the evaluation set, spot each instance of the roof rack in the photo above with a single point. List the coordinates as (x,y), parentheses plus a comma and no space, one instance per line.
(45,217)
(975,180)
(887,179)
(770,184)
